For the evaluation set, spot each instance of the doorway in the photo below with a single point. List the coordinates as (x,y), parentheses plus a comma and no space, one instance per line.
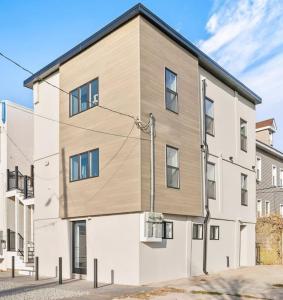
(243,246)
(79,247)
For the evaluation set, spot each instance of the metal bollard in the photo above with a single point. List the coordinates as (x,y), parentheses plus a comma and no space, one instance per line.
(95,285)
(60,271)
(112,276)
(13,266)
(36,268)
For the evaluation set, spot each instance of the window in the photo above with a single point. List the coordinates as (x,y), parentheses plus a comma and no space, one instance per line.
(214,232)
(209,116)
(171,95)
(267,208)
(172,167)
(281,210)
(259,208)
(84,165)
(84,97)
(167,230)
(243,131)
(274,176)
(197,231)
(281,178)
(211,188)
(258,168)
(244,189)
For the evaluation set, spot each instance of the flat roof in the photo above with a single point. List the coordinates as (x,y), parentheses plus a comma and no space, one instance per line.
(204,60)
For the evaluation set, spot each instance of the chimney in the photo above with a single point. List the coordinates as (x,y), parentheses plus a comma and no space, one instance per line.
(265,130)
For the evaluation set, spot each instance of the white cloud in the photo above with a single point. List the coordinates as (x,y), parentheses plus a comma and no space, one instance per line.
(246,38)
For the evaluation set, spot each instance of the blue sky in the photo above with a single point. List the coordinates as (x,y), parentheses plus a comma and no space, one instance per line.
(244,36)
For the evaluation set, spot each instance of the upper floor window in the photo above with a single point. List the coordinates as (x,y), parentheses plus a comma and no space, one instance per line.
(274,176)
(281,178)
(214,232)
(267,208)
(211,189)
(243,135)
(259,208)
(209,116)
(84,97)
(258,168)
(84,165)
(244,189)
(197,231)
(171,95)
(172,167)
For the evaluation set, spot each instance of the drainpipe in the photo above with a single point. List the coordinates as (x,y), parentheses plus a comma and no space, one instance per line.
(152,161)
(205,196)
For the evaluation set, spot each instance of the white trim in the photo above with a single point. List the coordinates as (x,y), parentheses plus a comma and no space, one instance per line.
(269,149)
(258,167)
(281,178)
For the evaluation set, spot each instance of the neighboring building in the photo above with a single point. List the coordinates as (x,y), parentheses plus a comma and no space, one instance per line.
(16,184)
(94,186)
(269,171)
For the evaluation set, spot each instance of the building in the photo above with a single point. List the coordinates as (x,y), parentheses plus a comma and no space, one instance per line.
(269,170)
(107,189)
(16,197)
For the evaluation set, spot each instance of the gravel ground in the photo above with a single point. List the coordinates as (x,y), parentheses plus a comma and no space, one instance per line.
(17,291)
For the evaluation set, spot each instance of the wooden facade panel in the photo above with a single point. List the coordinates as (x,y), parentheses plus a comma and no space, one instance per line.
(179,130)
(115,61)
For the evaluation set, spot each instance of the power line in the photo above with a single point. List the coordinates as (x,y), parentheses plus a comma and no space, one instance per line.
(60,89)
(76,126)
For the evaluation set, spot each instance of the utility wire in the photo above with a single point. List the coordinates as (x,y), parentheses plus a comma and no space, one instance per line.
(76,126)
(60,89)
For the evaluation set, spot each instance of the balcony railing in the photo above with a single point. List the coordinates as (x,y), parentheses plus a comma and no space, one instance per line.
(16,180)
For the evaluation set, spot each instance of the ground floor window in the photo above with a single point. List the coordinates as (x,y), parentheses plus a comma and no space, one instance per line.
(167,230)
(197,231)
(214,232)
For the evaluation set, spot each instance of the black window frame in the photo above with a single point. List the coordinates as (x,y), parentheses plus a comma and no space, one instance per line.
(88,166)
(209,117)
(244,147)
(197,225)
(244,202)
(212,233)
(164,236)
(211,181)
(79,98)
(177,168)
(168,90)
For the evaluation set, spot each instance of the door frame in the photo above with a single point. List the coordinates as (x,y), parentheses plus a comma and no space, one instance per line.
(77,271)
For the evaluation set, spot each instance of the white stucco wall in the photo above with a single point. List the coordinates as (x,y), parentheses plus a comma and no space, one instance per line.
(168,259)
(114,241)
(51,234)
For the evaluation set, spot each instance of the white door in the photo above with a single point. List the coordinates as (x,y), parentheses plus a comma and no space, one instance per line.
(243,246)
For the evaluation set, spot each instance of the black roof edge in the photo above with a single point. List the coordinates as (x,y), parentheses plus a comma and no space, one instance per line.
(204,60)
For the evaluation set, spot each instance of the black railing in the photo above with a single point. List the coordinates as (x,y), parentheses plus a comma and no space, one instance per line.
(24,183)
(21,245)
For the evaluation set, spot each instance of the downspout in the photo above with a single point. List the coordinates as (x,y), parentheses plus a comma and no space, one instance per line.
(152,161)
(205,196)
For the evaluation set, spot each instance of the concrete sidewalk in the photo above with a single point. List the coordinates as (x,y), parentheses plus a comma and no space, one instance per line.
(260,282)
